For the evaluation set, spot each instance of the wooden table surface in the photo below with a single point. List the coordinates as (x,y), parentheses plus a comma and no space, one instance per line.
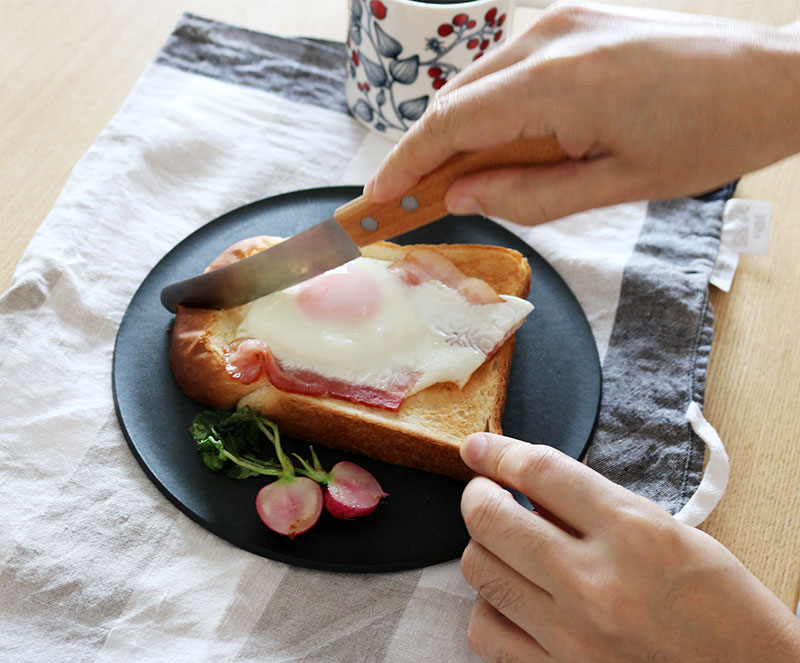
(67,67)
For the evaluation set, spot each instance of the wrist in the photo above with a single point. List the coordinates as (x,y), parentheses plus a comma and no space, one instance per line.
(782,62)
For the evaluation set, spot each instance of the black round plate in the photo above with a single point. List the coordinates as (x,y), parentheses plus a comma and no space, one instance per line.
(553,399)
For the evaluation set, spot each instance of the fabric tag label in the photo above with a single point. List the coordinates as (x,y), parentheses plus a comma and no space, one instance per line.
(746,224)
(745,229)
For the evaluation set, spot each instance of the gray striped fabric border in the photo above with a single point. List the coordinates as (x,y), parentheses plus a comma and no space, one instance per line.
(311,71)
(658,353)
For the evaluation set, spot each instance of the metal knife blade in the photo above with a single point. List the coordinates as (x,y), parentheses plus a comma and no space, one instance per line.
(309,253)
(335,241)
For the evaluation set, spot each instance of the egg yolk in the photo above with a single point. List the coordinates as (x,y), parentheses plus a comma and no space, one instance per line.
(347,296)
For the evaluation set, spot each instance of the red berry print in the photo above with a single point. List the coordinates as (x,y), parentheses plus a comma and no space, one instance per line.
(355,58)
(445,29)
(473,43)
(501,20)
(484,44)
(471,25)
(378,9)
(366,87)
(477,56)
(434,72)
(439,82)
(491,14)
(460,19)
(498,35)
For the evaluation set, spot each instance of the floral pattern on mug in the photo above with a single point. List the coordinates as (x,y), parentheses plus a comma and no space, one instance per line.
(382,67)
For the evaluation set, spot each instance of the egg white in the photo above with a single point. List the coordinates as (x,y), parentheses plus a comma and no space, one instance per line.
(428,329)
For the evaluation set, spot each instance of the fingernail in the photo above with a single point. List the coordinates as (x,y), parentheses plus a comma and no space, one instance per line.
(474,448)
(370,185)
(463,206)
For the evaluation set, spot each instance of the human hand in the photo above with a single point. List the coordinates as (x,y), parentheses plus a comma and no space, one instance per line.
(601,574)
(646,104)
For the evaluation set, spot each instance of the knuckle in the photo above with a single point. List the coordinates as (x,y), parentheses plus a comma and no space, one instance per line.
(502,593)
(540,547)
(563,15)
(438,119)
(506,657)
(500,590)
(639,526)
(529,210)
(604,604)
(472,563)
(573,644)
(510,195)
(476,637)
(628,518)
(535,461)
(480,509)
(487,638)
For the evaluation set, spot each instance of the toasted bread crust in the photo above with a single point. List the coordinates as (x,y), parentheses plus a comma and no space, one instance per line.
(195,356)
(425,433)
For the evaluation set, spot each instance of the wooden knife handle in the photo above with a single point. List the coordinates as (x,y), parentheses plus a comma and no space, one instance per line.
(367,222)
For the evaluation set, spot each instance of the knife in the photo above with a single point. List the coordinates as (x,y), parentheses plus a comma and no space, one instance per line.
(357,223)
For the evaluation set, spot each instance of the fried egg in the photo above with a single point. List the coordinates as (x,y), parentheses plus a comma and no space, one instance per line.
(364,324)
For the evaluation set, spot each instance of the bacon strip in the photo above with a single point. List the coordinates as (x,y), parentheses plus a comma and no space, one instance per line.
(422,265)
(248,360)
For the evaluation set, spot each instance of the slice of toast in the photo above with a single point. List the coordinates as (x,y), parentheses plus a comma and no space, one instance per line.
(425,433)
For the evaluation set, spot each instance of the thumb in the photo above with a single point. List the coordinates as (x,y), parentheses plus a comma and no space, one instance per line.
(536,194)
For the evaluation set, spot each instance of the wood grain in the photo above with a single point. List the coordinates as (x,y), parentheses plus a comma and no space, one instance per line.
(67,67)
(392,218)
(753,394)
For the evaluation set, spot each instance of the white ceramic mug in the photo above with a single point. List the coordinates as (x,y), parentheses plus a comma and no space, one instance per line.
(401,51)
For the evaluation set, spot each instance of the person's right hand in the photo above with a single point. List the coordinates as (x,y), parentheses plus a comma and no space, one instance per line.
(646,104)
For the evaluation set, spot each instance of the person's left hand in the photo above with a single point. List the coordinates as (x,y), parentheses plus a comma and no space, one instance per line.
(601,574)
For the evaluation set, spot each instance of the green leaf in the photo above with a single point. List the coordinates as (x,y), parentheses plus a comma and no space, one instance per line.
(204,422)
(212,452)
(239,472)
(239,441)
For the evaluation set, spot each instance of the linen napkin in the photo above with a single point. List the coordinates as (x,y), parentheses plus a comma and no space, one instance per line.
(96,564)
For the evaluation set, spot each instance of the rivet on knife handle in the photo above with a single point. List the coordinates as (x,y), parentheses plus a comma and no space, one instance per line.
(367,222)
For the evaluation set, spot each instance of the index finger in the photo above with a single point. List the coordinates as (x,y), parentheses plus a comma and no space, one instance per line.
(480,114)
(573,493)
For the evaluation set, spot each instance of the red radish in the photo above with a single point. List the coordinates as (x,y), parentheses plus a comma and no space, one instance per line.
(351,491)
(290,506)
